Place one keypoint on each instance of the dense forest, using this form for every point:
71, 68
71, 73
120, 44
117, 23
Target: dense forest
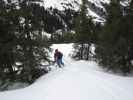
24, 45
113, 40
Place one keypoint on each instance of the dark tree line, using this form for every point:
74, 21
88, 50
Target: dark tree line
113, 40
114, 50
21, 40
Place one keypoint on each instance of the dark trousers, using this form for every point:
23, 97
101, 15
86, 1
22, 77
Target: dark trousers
60, 62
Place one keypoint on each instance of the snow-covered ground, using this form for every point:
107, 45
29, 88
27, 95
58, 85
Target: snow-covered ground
78, 80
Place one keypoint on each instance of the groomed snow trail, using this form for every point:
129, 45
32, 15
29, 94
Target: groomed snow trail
78, 80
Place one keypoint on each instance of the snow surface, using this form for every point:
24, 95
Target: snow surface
78, 80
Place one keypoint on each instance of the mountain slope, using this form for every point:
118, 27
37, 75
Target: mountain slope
61, 4
95, 7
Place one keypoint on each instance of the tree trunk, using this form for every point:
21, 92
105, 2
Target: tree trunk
81, 51
88, 51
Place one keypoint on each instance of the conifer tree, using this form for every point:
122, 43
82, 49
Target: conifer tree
21, 26
7, 40
113, 50
84, 28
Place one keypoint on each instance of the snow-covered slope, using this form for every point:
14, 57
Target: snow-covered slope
95, 7
78, 80
60, 4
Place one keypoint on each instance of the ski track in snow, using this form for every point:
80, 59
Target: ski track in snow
78, 80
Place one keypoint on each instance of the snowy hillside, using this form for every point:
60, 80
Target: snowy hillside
60, 4
95, 7
78, 80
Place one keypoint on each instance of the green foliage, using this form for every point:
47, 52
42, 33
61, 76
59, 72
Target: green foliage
69, 37
83, 24
114, 49
85, 31
7, 40
64, 37
21, 40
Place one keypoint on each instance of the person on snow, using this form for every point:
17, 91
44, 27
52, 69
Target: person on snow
58, 58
